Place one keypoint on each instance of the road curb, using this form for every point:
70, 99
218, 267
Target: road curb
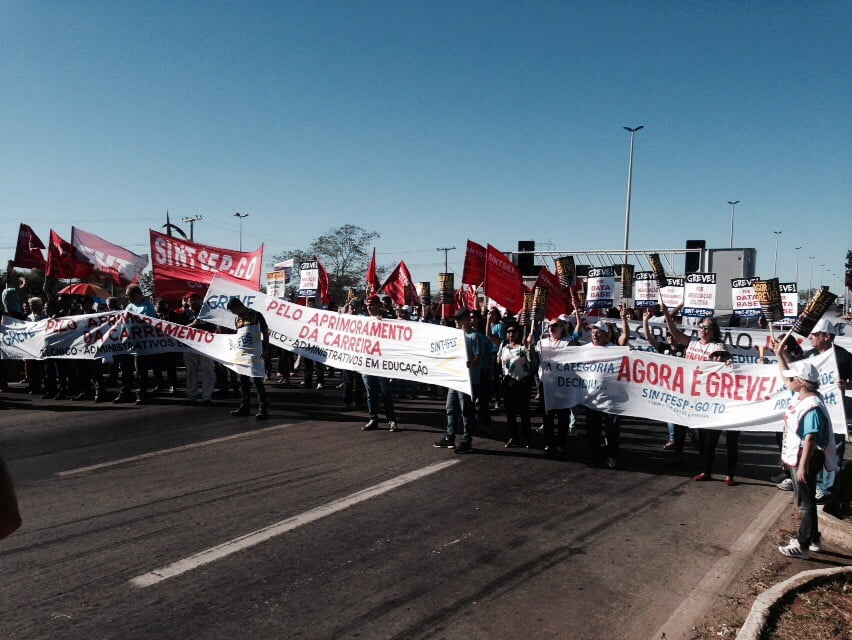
834, 530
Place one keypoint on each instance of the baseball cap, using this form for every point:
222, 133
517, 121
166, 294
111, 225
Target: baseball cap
804, 370
824, 326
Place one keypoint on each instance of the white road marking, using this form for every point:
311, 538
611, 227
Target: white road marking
262, 535
163, 452
722, 573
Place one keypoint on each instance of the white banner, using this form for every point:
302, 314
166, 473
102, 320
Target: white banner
744, 298
699, 295
710, 395
308, 279
789, 300
672, 293
418, 351
601, 288
104, 335
645, 289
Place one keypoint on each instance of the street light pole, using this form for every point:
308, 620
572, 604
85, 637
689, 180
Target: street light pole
733, 207
797, 267
241, 216
629, 188
811, 280
777, 238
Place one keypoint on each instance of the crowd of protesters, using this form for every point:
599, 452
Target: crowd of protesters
502, 356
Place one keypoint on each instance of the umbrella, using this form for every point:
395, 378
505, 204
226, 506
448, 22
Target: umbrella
86, 289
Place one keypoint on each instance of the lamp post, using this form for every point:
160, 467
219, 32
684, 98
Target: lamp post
241, 216
192, 220
777, 238
811, 280
733, 207
797, 267
821, 274
629, 188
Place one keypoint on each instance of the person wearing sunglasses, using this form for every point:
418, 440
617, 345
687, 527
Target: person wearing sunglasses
514, 360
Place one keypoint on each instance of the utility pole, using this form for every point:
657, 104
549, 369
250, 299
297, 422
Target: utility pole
446, 251
192, 220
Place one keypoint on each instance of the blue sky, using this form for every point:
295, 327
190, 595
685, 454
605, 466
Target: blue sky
432, 122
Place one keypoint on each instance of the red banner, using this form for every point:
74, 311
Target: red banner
558, 299
63, 260
399, 285
372, 277
28, 253
474, 264
503, 281
180, 265
322, 289
121, 266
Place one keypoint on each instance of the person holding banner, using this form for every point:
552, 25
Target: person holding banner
709, 440
197, 365
807, 435
517, 381
822, 340
598, 423
137, 304
459, 403
378, 386
253, 341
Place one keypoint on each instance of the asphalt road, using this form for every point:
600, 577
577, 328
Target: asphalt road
371, 536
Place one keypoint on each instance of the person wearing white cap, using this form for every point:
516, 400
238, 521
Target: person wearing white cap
822, 340
807, 436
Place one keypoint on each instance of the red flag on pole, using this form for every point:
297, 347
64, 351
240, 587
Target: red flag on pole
28, 253
503, 281
322, 289
399, 285
123, 267
372, 277
63, 260
558, 299
474, 264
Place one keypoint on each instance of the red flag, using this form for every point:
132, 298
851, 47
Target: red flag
558, 299
121, 266
474, 264
63, 260
180, 266
322, 290
372, 277
503, 280
28, 253
399, 285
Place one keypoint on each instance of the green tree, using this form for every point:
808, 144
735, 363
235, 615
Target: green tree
345, 253
849, 260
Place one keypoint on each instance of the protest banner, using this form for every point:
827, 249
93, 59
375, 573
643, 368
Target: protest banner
474, 264
600, 288
287, 267
646, 292
789, 301
704, 395
276, 284
558, 298
745, 303
672, 293
699, 295
123, 267
180, 266
104, 335
503, 281
308, 279
418, 351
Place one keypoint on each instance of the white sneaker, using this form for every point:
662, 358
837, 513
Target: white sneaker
820, 495
793, 550
814, 547
785, 485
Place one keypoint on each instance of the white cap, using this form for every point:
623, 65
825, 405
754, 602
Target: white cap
804, 370
824, 326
